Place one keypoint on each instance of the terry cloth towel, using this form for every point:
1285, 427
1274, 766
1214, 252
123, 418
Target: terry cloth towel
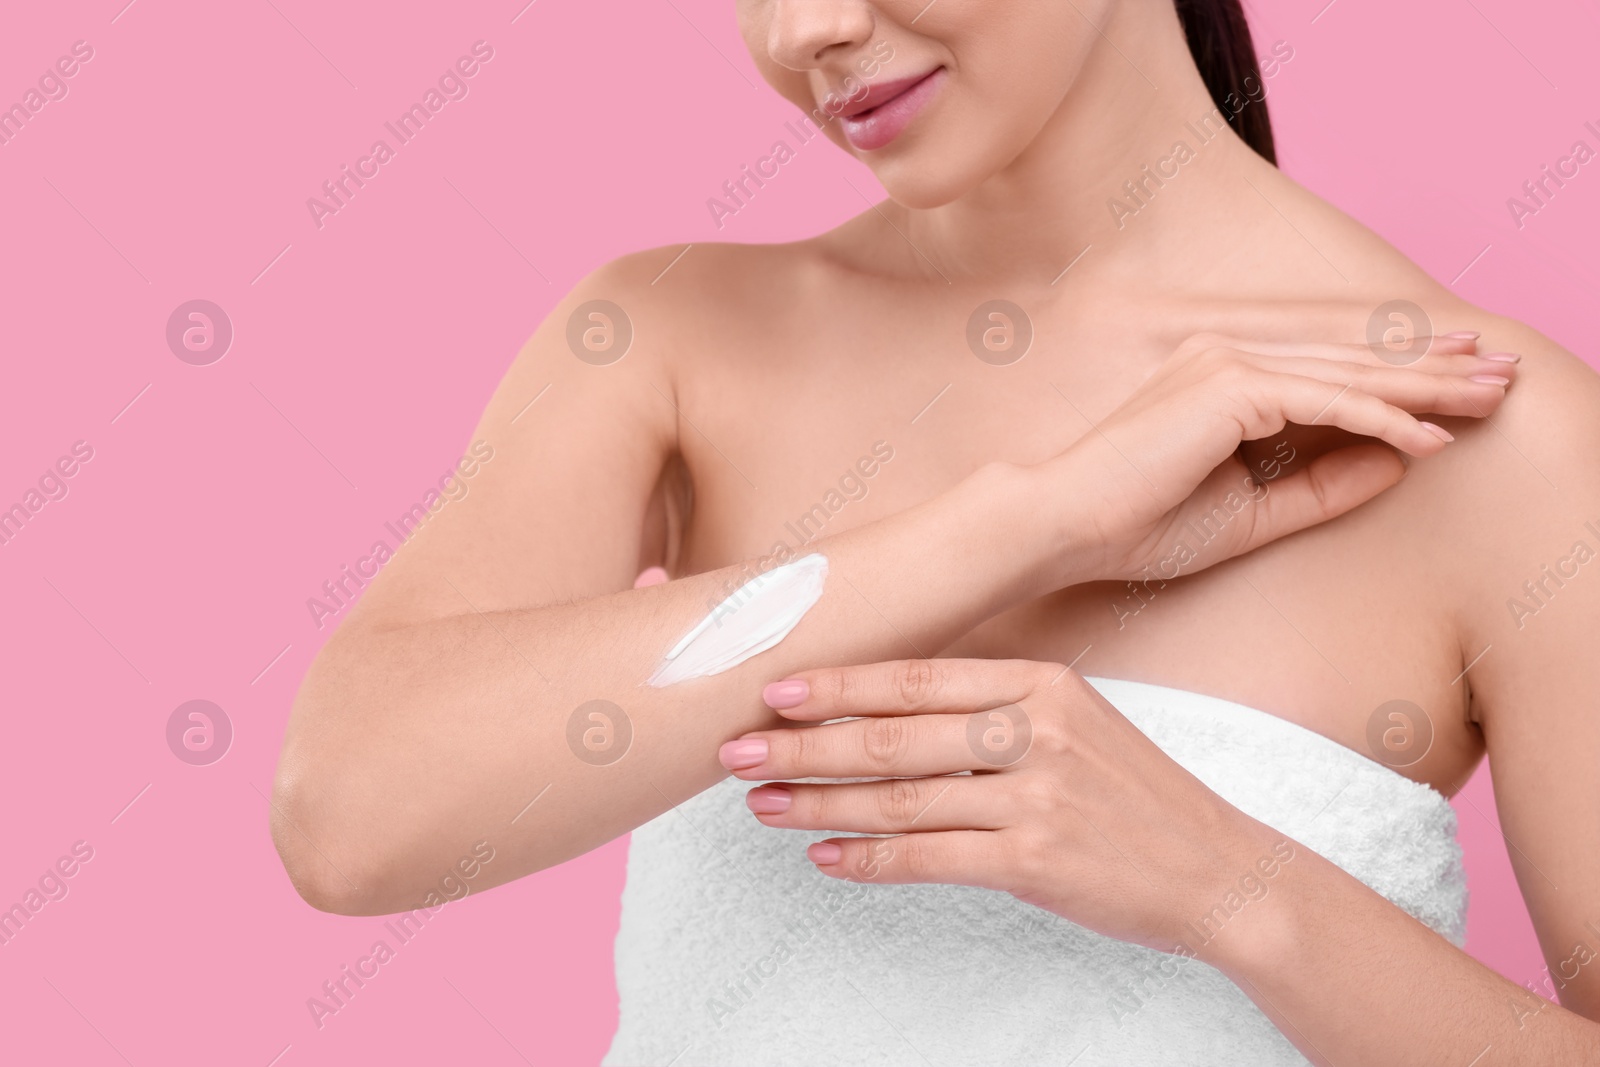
734, 951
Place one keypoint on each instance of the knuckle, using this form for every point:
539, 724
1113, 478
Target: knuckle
900, 801
873, 856
1205, 340
816, 806
912, 854
1046, 674
1317, 483
1030, 862
1051, 735
1226, 368
1037, 795
833, 687
884, 742
793, 748
915, 682
1076, 684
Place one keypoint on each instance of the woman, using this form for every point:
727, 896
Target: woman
1222, 598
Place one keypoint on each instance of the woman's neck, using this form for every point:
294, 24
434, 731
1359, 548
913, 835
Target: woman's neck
1137, 172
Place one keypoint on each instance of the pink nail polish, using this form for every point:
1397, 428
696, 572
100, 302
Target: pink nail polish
786, 694
1503, 357
650, 576
739, 755
768, 800
1438, 431
824, 853
1464, 335
1490, 379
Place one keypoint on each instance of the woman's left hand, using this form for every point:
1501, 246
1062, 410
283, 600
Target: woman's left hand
1071, 807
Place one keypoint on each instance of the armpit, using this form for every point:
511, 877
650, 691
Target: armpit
667, 516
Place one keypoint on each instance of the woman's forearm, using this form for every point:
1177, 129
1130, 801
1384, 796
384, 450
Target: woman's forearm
412, 742
1352, 979
408, 745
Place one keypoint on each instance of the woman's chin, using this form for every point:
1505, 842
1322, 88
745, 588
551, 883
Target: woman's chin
923, 187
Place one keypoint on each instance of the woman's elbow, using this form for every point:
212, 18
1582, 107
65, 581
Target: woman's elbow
329, 864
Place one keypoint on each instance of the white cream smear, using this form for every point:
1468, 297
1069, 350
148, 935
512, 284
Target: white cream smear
756, 616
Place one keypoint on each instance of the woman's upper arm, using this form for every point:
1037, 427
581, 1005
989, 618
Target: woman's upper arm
574, 446
1536, 689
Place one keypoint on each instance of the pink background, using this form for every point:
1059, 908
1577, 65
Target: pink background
178, 565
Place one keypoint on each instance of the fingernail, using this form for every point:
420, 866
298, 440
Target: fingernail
1490, 379
738, 755
1464, 335
1503, 357
650, 576
787, 694
1438, 431
768, 800
824, 852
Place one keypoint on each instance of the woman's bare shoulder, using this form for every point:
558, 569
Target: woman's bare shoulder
1520, 488
1556, 398
695, 301
1550, 422
706, 276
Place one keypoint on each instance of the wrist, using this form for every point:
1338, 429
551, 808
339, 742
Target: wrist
1071, 548
1026, 528
1254, 919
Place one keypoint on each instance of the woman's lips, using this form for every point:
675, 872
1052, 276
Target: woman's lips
885, 112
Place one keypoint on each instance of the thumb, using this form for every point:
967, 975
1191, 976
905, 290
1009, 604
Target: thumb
1327, 487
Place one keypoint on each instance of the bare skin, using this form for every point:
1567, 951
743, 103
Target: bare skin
759, 375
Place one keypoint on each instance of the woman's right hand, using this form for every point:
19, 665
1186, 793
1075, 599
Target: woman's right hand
1160, 484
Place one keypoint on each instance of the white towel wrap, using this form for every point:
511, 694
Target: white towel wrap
734, 951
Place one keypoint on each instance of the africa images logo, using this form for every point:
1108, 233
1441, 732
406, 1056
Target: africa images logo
342, 590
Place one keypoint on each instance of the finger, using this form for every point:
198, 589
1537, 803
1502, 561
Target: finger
899, 805
1277, 398
893, 746
1461, 365
1327, 487
1292, 323
1412, 349
906, 687
1478, 386
953, 857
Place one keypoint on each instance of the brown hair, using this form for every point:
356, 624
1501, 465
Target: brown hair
1219, 40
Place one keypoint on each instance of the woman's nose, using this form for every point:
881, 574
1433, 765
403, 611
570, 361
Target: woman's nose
803, 32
